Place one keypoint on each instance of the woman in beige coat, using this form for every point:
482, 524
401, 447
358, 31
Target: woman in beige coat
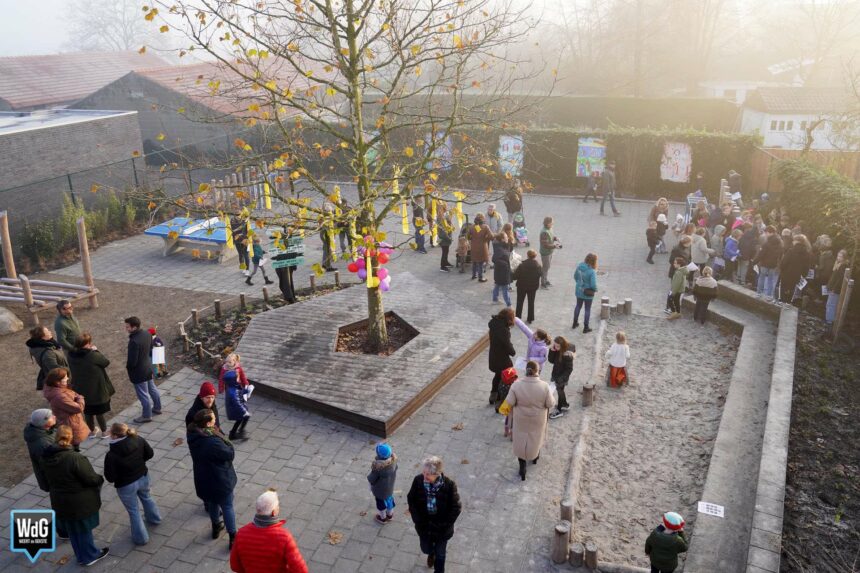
66, 404
531, 401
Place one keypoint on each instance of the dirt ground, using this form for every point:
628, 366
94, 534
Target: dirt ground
163, 307
650, 443
821, 529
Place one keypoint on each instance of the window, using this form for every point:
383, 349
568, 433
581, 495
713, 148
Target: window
790, 125
781, 126
773, 125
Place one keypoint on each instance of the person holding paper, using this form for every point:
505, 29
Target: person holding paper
90, 380
159, 366
795, 265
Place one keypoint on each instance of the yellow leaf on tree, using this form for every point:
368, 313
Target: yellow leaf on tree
409, 152
260, 223
330, 91
160, 137
458, 43
180, 110
151, 206
203, 188
344, 144
151, 15
309, 73
417, 70
317, 269
278, 163
271, 85
199, 199
264, 54
434, 177
293, 47
295, 175
344, 51
164, 29
386, 26
142, 50
254, 107
173, 235
94, 187
195, 253
328, 68
252, 52
415, 50
135, 153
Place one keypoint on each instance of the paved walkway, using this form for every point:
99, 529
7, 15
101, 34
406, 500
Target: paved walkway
319, 466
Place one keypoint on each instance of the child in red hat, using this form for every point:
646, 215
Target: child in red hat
509, 376
665, 543
158, 370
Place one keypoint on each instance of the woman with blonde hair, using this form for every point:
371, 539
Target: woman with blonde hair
75, 497
125, 468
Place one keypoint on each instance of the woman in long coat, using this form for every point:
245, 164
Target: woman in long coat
502, 247
479, 235
531, 401
90, 379
794, 265
501, 347
46, 353
66, 404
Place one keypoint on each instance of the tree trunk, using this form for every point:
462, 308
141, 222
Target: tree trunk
377, 330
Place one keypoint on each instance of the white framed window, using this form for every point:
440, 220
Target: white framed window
773, 125
781, 125
790, 125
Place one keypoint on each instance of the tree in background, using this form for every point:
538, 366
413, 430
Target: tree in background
394, 93
107, 25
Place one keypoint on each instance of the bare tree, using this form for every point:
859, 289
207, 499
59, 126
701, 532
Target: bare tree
393, 93
107, 25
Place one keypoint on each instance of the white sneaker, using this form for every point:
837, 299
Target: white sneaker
95, 434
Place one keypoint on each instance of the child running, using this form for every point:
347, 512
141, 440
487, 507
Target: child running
561, 356
256, 258
232, 362
617, 355
383, 472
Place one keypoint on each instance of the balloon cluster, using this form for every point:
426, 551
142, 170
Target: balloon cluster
382, 252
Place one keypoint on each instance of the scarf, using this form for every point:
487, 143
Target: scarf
431, 489
266, 520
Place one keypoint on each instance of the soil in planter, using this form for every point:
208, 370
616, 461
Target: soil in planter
357, 341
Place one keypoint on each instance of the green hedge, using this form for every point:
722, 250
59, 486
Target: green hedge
827, 202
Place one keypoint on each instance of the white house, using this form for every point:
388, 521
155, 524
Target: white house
783, 114
733, 90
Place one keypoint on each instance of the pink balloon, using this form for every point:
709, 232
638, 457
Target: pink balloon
362, 274
384, 286
361, 263
382, 273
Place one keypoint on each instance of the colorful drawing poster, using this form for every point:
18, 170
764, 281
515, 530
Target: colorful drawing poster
590, 156
443, 155
511, 155
677, 162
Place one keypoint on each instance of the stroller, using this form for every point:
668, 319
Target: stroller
520, 231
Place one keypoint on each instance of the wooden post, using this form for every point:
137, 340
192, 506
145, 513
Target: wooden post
558, 550
195, 318
87, 268
591, 555
587, 394
604, 311
266, 295
8, 258
313, 283
619, 307
843, 310
337, 279
28, 299
218, 308
843, 296
242, 304
628, 306
577, 555
186, 344
567, 510
198, 348
604, 300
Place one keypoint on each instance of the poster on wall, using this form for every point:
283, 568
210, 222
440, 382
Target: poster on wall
590, 156
677, 162
443, 155
511, 155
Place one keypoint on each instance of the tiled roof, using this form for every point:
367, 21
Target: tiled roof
798, 100
55, 80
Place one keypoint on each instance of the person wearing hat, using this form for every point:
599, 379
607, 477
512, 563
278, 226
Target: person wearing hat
205, 400
383, 473
40, 433
158, 370
665, 543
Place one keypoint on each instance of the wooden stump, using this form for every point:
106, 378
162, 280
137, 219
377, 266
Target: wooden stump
266, 295
218, 308
577, 555
604, 300
195, 318
628, 306
604, 311
591, 555
587, 394
198, 348
186, 344
558, 551
313, 283
337, 279
619, 307
567, 510
242, 304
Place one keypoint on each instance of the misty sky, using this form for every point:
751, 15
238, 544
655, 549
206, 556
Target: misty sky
32, 27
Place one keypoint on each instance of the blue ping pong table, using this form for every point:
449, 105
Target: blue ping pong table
204, 235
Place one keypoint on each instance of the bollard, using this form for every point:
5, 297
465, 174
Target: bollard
186, 344
567, 510
619, 308
577, 555
195, 319
587, 394
558, 551
198, 348
604, 300
266, 295
591, 555
604, 311
628, 306
337, 279
242, 304
313, 283
217, 308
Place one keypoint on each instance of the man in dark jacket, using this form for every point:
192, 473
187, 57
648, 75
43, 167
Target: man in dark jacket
608, 187
768, 262
748, 247
205, 400
214, 477
501, 348
39, 434
528, 276
794, 266
139, 367
434, 506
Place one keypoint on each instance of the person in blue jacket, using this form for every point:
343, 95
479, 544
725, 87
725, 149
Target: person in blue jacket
585, 277
235, 398
214, 477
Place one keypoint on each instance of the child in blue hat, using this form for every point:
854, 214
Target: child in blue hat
383, 472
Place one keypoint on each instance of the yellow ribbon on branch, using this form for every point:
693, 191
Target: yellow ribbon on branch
458, 209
